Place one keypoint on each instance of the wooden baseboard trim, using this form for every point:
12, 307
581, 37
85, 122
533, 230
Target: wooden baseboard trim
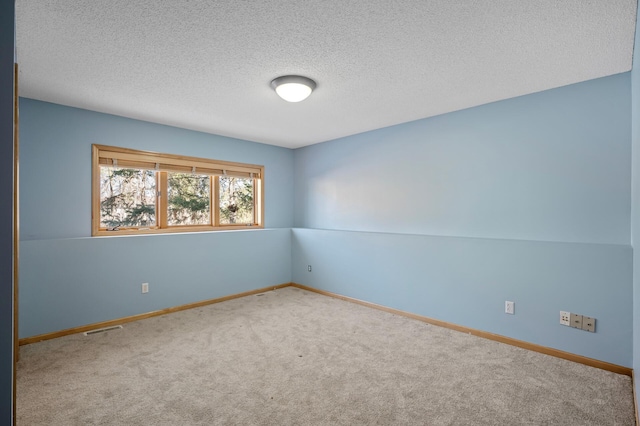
491, 336
119, 321
479, 333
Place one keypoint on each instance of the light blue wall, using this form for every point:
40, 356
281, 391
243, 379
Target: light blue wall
71, 282
635, 211
55, 151
526, 200
7, 52
540, 183
552, 166
69, 279
467, 280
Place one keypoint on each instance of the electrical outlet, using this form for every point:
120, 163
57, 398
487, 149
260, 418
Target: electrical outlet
565, 318
145, 287
509, 307
309, 268
576, 321
589, 324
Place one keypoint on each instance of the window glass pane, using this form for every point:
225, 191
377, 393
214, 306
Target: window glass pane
188, 199
127, 197
236, 200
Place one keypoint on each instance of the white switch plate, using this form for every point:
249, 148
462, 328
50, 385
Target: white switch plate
145, 287
509, 307
565, 318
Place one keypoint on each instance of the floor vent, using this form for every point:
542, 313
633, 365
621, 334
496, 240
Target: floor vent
261, 294
102, 330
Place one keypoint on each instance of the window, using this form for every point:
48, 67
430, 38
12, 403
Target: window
139, 192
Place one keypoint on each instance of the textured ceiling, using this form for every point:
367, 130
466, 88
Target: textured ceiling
207, 65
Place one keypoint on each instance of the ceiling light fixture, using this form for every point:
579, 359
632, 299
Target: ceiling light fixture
293, 88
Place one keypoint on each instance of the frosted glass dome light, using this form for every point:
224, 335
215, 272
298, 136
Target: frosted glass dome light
293, 88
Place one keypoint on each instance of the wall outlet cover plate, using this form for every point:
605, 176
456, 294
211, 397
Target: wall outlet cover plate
509, 307
576, 321
565, 318
589, 324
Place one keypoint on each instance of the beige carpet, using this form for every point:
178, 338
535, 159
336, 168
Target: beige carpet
291, 357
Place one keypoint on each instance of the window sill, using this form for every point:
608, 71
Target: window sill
174, 230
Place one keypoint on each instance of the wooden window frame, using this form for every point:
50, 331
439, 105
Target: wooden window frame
103, 155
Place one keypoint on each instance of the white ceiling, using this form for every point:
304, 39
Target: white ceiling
206, 65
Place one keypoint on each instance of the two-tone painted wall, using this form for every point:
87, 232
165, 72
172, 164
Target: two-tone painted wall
526, 200
70, 279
